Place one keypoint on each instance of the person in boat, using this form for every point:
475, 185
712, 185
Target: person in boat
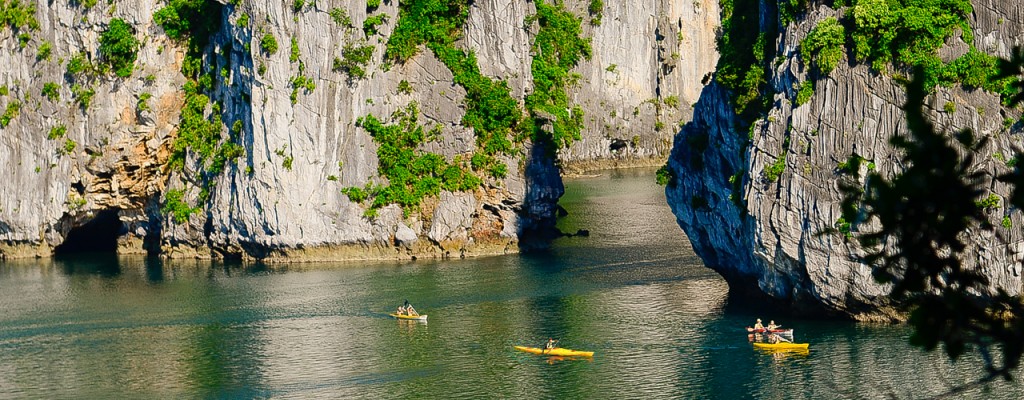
409, 310
758, 325
550, 344
771, 325
773, 338
401, 310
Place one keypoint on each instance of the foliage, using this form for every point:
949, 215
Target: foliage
268, 44
823, 46
297, 5
741, 67
665, 176
372, 22
12, 111
1007, 223
143, 104
773, 171
83, 95
340, 17
556, 49
852, 165
932, 207
595, 10
78, 64
44, 51
176, 206
372, 4
200, 134
68, 147
789, 8
844, 227
243, 20
57, 132
294, 56
803, 95
411, 174
490, 109
990, 202
354, 60
193, 19
18, 15
119, 47
672, 101
301, 82
51, 91
404, 87
908, 33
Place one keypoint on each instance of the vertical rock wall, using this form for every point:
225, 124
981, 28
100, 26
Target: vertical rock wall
773, 244
282, 198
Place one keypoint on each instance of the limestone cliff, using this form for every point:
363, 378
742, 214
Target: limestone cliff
94, 154
756, 202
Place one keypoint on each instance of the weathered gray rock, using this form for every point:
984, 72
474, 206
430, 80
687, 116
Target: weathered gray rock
282, 198
774, 243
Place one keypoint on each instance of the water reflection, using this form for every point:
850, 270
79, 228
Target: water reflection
660, 324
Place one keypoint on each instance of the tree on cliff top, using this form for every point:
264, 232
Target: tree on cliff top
925, 214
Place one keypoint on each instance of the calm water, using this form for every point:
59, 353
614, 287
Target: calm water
660, 323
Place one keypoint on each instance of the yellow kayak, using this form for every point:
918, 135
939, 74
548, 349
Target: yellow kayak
781, 345
557, 351
421, 317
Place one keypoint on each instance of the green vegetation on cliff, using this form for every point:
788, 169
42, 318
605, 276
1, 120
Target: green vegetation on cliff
823, 46
557, 48
490, 109
411, 174
119, 47
200, 125
18, 15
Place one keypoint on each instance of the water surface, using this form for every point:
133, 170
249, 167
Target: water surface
661, 325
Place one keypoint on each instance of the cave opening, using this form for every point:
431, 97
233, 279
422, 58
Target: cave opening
99, 235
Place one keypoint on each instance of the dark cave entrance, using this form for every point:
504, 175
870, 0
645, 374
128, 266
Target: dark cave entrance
99, 235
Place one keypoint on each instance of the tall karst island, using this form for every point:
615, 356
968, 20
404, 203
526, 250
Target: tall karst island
804, 102
328, 129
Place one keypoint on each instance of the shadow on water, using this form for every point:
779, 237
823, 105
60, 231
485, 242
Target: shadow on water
107, 265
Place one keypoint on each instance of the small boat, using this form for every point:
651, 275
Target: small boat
421, 317
557, 351
775, 331
782, 346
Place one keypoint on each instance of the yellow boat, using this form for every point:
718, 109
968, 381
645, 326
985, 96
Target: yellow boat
782, 346
557, 351
421, 317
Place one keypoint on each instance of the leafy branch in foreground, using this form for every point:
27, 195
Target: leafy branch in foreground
926, 214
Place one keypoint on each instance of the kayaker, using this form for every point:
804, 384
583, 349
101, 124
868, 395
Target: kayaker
773, 338
550, 344
401, 310
411, 311
758, 325
771, 325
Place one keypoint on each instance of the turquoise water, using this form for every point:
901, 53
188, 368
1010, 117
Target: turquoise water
661, 325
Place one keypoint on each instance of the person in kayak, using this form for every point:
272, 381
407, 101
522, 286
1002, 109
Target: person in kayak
758, 325
550, 344
409, 310
771, 325
401, 310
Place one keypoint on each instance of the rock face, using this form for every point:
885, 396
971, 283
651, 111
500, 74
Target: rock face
282, 198
772, 242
